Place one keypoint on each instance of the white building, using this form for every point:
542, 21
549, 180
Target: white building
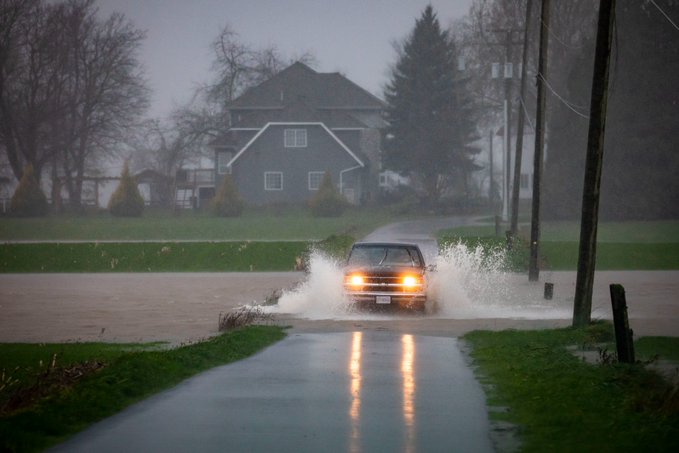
481, 178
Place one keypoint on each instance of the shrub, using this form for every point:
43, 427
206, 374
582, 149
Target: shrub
126, 201
327, 202
227, 201
28, 199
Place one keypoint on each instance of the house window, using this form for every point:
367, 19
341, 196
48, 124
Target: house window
294, 138
223, 159
525, 180
273, 180
315, 178
384, 180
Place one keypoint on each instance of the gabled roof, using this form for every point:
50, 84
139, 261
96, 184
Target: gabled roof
319, 90
296, 110
321, 125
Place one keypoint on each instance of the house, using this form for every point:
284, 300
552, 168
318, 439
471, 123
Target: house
499, 165
288, 131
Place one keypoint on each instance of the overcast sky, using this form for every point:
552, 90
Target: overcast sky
350, 36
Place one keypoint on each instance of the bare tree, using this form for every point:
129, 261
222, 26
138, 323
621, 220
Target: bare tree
31, 83
107, 91
70, 86
238, 66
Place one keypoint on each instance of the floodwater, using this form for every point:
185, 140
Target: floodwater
467, 284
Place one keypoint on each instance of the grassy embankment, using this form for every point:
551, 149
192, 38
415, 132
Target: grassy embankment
258, 241
620, 245
295, 224
558, 402
42, 401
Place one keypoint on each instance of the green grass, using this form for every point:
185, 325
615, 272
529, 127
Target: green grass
151, 257
290, 224
561, 403
665, 348
620, 246
634, 232
163, 256
614, 256
130, 375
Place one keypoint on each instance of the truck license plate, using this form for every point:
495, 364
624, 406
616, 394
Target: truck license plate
383, 299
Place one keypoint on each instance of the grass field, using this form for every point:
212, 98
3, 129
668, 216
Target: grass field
561, 403
294, 224
620, 245
164, 256
151, 257
129, 374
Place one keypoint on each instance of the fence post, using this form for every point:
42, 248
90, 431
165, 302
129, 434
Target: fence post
549, 290
624, 337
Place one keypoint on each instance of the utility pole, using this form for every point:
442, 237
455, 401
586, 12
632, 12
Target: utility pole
582, 304
507, 73
533, 265
491, 188
514, 228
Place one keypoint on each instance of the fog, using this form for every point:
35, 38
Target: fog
353, 36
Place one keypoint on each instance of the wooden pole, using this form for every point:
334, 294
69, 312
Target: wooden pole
624, 337
533, 267
491, 188
514, 228
582, 304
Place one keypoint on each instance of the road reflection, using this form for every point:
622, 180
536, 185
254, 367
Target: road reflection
408, 390
408, 375
355, 373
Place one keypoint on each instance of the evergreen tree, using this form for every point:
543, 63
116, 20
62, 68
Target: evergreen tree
327, 202
227, 202
28, 199
126, 201
430, 121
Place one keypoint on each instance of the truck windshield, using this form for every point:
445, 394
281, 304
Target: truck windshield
384, 256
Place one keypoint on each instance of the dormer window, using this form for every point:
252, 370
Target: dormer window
294, 138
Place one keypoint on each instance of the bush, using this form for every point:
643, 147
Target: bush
227, 202
328, 202
28, 199
126, 201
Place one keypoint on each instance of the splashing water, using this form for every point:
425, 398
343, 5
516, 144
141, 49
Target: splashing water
466, 280
321, 295
468, 283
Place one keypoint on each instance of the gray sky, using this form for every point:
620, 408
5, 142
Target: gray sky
350, 36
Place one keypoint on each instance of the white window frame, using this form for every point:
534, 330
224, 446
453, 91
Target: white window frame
267, 184
295, 138
314, 174
223, 158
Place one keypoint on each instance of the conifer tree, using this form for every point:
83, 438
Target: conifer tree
126, 201
327, 202
430, 121
28, 199
227, 201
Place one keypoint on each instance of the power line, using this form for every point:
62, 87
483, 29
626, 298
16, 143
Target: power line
526, 114
664, 14
572, 107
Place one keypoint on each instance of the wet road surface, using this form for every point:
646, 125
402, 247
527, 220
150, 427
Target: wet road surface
350, 391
